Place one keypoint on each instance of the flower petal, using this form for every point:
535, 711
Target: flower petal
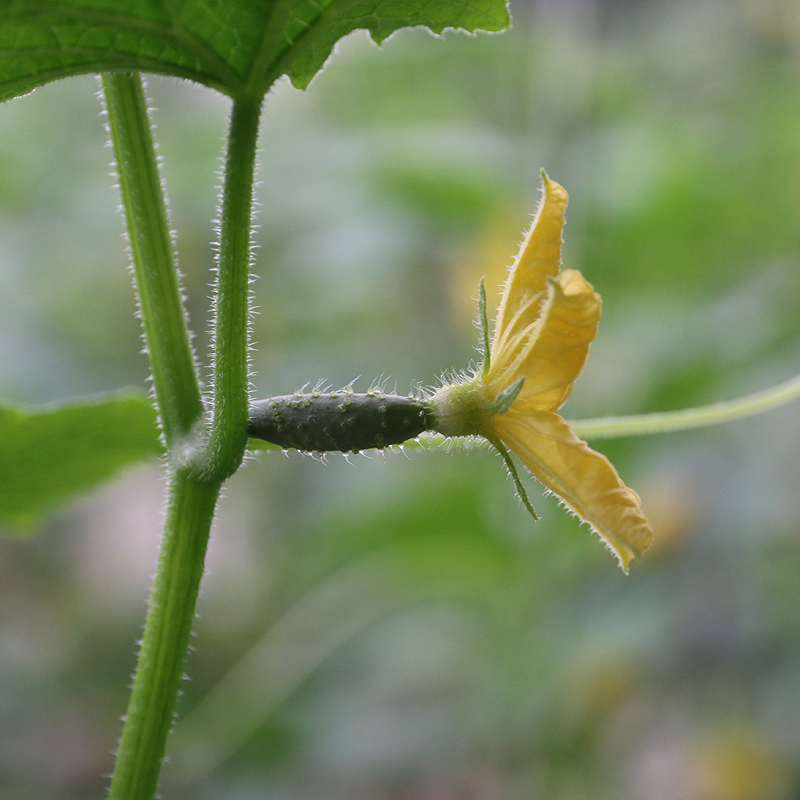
554, 359
539, 259
585, 480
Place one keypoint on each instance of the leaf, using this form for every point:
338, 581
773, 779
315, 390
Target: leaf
49, 455
239, 47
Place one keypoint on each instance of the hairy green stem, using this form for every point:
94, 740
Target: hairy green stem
196, 471
166, 332
177, 392
232, 296
166, 638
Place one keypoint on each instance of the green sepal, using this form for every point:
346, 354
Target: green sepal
483, 321
512, 471
504, 399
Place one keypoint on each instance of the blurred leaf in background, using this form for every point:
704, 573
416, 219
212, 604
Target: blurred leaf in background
50, 454
430, 641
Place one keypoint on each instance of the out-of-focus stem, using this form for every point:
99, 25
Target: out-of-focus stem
702, 416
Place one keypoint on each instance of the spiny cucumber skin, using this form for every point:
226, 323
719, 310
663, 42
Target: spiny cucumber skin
342, 421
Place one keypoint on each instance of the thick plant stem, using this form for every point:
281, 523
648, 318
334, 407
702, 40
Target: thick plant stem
197, 466
228, 438
166, 638
166, 333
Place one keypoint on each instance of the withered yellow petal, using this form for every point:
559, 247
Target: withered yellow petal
554, 355
539, 258
585, 480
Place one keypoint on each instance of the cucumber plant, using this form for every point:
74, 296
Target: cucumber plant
239, 48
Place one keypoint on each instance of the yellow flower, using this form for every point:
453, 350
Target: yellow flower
545, 324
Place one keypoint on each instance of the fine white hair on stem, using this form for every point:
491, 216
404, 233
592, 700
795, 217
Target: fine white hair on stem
115, 172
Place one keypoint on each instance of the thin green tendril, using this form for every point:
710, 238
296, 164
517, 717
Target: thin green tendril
702, 416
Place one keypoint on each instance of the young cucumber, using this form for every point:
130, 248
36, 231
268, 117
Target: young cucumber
343, 420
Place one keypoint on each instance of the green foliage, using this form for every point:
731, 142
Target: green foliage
239, 47
51, 454
485, 650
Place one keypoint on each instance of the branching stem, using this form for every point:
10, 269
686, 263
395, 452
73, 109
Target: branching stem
198, 463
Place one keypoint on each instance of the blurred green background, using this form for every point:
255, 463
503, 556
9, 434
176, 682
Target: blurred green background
396, 628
